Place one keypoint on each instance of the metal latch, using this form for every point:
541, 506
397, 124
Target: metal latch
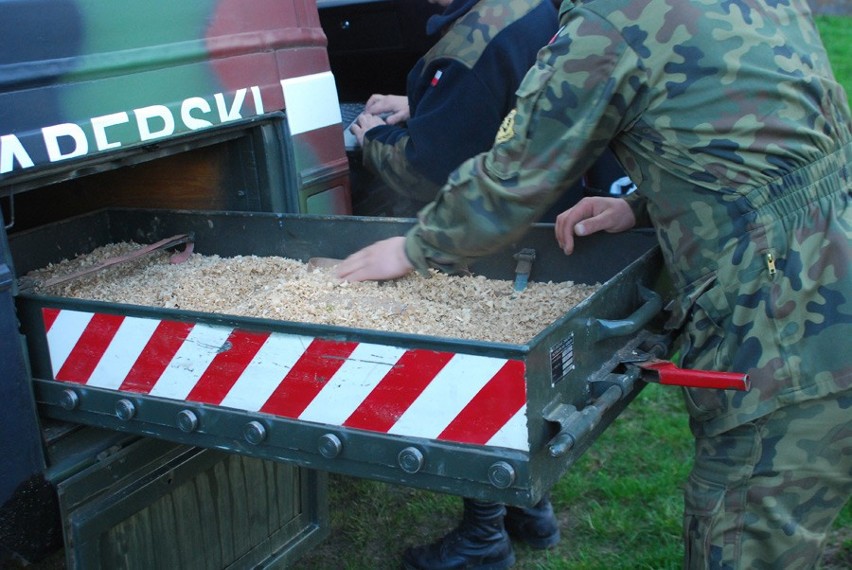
668, 373
575, 424
525, 259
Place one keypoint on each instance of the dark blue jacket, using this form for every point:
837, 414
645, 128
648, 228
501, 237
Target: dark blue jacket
460, 91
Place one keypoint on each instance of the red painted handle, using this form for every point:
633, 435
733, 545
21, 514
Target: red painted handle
669, 374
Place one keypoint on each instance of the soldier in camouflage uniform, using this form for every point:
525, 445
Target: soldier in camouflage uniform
728, 118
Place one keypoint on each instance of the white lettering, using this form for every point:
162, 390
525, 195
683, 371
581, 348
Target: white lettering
11, 149
69, 140
100, 124
194, 123
233, 113
145, 114
51, 141
258, 101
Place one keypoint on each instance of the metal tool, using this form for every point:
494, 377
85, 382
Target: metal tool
525, 259
177, 257
322, 262
634, 365
668, 373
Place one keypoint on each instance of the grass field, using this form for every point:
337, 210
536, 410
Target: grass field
620, 507
835, 34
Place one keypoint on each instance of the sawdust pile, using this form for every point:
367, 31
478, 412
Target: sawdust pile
464, 307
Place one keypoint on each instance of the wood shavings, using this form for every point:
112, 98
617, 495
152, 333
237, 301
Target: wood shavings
463, 307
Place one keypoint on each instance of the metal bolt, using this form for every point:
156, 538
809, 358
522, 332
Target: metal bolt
254, 432
69, 399
187, 421
501, 475
330, 446
125, 409
411, 459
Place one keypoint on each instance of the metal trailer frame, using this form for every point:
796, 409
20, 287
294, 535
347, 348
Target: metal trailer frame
573, 373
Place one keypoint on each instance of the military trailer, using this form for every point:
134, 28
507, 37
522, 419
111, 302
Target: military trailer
216, 126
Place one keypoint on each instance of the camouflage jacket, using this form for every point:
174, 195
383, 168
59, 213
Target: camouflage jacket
728, 118
459, 91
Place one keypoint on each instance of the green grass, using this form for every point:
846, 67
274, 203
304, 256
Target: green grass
835, 35
619, 507
626, 491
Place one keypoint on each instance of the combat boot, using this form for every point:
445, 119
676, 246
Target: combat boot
479, 542
536, 526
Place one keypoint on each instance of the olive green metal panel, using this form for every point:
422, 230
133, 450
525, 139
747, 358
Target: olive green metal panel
161, 505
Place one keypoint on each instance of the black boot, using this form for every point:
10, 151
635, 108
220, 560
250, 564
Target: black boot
535, 526
479, 542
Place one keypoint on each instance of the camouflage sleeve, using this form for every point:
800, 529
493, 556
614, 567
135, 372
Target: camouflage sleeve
584, 88
389, 162
639, 205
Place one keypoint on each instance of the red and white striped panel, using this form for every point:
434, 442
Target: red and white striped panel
410, 392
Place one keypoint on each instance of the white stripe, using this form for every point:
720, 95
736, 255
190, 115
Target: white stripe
190, 361
63, 336
311, 102
451, 390
514, 433
264, 373
121, 354
352, 383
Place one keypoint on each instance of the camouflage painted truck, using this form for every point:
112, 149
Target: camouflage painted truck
140, 437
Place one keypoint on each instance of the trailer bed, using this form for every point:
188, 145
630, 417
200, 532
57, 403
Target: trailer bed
489, 420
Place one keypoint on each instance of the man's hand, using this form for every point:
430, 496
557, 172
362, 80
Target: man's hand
382, 260
590, 215
363, 123
394, 108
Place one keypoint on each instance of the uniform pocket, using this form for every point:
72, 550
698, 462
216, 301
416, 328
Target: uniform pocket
511, 142
702, 502
706, 344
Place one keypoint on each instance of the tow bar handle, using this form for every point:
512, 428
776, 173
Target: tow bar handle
575, 424
602, 329
666, 372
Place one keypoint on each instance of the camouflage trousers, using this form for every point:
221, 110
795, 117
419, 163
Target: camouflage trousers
764, 495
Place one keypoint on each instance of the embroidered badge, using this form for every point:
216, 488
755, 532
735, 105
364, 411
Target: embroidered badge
507, 128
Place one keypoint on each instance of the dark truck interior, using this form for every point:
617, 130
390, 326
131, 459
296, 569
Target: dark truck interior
372, 45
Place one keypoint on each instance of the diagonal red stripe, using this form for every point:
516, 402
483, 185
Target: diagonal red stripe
398, 389
491, 408
314, 368
90, 348
158, 352
49, 315
227, 366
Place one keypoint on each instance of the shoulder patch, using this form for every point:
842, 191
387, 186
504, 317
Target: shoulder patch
507, 128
